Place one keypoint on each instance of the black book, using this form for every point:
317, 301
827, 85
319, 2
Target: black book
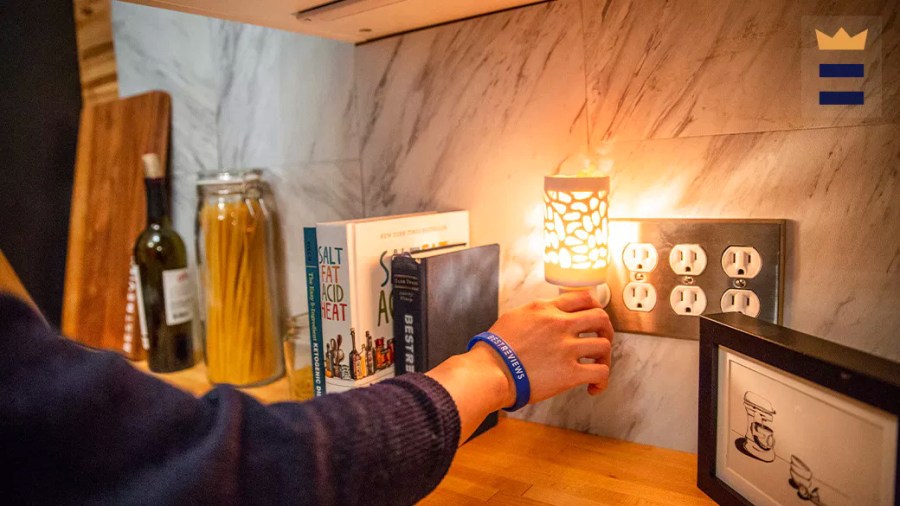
442, 299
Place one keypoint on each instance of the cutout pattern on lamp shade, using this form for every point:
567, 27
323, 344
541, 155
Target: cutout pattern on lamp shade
576, 230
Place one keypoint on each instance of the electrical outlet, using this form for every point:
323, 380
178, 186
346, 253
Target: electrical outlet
740, 301
687, 259
639, 296
741, 262
688, 300
637, 247
640, 257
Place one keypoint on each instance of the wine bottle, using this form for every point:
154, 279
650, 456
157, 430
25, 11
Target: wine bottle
380, 354
370, 354
168, 294
355, 362
363, 365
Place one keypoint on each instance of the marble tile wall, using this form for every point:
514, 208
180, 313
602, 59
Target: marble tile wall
170, 51
250, 97
840, 188
701, 67
472, 115
284, 98
696, 109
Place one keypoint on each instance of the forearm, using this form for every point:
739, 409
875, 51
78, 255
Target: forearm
98, 431
390, 443
479, 383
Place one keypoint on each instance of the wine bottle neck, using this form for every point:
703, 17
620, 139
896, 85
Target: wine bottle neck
157, 202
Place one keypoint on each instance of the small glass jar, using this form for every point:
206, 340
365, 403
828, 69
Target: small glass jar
239, 296
298, 358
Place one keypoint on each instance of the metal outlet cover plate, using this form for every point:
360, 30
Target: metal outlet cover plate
714, 236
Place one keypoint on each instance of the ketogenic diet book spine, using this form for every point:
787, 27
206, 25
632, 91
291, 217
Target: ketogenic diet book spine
311, 256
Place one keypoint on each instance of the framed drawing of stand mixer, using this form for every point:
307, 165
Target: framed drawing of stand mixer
786, 418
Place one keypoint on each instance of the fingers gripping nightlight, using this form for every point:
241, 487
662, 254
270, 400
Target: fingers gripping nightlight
576, 232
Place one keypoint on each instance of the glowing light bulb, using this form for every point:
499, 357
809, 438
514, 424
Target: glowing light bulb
576, 230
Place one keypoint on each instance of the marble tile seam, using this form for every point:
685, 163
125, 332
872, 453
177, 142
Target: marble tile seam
750, 132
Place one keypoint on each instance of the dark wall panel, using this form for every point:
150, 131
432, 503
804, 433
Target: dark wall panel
40, 100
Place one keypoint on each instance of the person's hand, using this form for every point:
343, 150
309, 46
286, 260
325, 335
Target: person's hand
544, 335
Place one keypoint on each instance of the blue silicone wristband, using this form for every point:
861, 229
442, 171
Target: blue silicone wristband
516, 369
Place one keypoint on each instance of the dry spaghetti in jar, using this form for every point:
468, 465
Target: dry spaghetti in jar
239, 297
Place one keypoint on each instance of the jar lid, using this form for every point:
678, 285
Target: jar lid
298, 321
297, 324
228, 177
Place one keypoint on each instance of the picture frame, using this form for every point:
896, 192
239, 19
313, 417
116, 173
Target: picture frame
789, 418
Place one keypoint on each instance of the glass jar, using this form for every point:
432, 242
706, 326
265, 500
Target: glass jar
298, 357
239, 296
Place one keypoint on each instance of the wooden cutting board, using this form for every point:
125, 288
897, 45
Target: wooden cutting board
10, 282
108, 213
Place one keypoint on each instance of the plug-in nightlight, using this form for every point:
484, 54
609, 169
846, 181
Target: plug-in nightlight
576, 232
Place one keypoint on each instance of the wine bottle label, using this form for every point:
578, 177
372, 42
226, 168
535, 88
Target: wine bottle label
142, 316
178, 296
134, 310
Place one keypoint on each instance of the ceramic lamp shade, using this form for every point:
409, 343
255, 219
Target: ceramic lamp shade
576, 230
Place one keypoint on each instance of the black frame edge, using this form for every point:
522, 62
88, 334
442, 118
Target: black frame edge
866, 378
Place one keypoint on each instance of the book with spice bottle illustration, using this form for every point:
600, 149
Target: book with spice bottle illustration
355, 340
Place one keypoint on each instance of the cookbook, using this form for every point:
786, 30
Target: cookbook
356, 336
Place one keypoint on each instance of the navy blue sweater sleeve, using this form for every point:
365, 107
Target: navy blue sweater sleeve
79, 426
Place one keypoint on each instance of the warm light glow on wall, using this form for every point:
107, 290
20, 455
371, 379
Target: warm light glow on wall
576, 230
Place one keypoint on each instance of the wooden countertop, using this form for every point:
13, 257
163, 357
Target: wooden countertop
194, 380
526, 463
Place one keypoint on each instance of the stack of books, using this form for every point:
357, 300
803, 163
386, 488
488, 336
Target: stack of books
351, 307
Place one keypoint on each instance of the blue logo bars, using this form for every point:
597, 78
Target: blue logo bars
841, 41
